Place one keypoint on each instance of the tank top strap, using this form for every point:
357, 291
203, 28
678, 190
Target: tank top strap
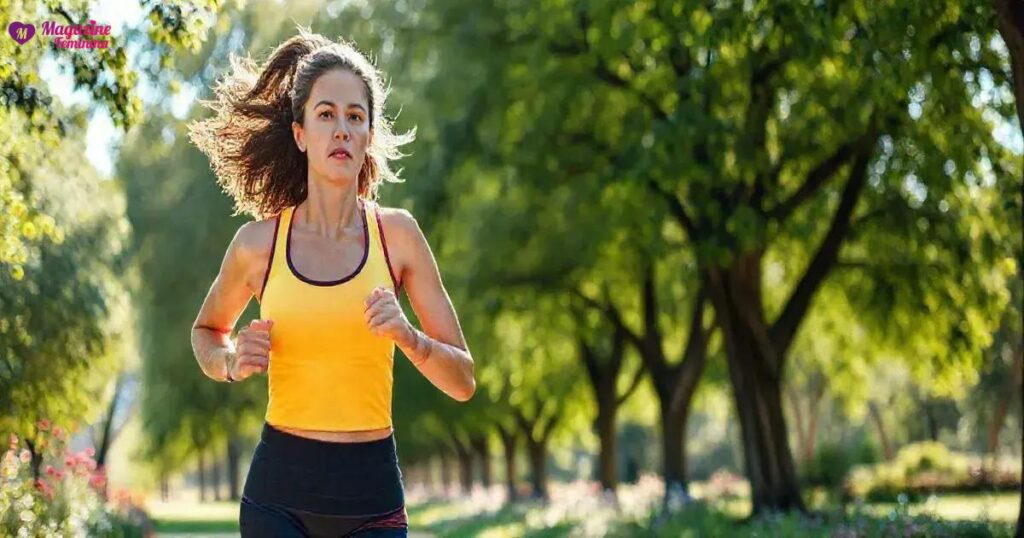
284, 223
276, 262
371, 226
380, 245
280, 261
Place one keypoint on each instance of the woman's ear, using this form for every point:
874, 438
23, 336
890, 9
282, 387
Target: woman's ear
300, 136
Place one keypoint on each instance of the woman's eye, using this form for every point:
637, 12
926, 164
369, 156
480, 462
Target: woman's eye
355, 117
325, 112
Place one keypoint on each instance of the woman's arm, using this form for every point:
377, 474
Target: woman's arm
439, 351
224, 303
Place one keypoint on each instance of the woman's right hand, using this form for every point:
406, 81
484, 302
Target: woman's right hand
252, 350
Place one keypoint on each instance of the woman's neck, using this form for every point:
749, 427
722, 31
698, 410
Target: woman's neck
331, 211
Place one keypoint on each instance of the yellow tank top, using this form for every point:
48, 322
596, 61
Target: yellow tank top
327, 370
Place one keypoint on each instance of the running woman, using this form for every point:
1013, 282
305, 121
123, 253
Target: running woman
301, 144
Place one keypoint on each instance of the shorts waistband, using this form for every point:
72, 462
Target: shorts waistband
289, 445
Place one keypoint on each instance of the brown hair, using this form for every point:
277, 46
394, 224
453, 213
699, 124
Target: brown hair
249, 139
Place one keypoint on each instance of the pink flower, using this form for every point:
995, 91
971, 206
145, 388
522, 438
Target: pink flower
45, 488
97, 480
50, 470
43, 424
58, 432
25, 455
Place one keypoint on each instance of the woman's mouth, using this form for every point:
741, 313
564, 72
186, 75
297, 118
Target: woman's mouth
341, 154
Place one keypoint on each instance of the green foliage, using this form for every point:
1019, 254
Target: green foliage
65, 326
833, 461
36, 123
177, 213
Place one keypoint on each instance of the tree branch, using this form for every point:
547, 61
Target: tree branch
611, 313
818, 176
675, 206
633, 385
694, 355
649, 303
784, 328
600, 69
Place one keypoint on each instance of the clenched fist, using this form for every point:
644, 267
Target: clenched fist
252, 350
384, 316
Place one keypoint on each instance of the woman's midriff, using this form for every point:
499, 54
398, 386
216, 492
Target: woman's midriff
340, 437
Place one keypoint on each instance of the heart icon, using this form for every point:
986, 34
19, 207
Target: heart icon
21, 32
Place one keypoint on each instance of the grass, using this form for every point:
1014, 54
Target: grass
194, 517
1000, 507
576, 512
952, 515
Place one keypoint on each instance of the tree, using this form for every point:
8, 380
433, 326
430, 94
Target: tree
753, 126
1010, 21
103, 72
65, 326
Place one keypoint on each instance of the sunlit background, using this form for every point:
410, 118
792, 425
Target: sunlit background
713, 260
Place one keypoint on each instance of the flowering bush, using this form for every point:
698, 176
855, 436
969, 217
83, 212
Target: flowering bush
726, 485
923, 468
67, 499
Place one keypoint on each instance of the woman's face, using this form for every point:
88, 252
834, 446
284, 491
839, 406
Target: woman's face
336, 126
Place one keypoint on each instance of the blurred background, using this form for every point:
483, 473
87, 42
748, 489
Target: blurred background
725, 267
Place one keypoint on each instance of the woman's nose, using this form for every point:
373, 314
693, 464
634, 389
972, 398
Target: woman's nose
341, 132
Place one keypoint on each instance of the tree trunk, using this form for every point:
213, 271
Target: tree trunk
446, 471
930, 420
603, 369
215, 475
107, 433
465, 456
482, 449
807, 423
1010, 21
673, 428
812, 426
538, 451
202, 477
769, 461
232, 464
755, 373
674, 384
36, 460
996, 426
876, 418
608, 466
508, 442
165, 489
430, 467
537, 431
801, 428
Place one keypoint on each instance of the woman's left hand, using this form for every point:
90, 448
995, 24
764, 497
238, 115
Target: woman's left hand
385, 317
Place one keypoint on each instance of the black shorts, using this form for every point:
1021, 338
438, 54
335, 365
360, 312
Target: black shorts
306, 487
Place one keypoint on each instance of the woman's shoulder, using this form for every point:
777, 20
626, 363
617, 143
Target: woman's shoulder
396, 220
255, 239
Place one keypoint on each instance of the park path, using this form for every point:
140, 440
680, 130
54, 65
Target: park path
413, 534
